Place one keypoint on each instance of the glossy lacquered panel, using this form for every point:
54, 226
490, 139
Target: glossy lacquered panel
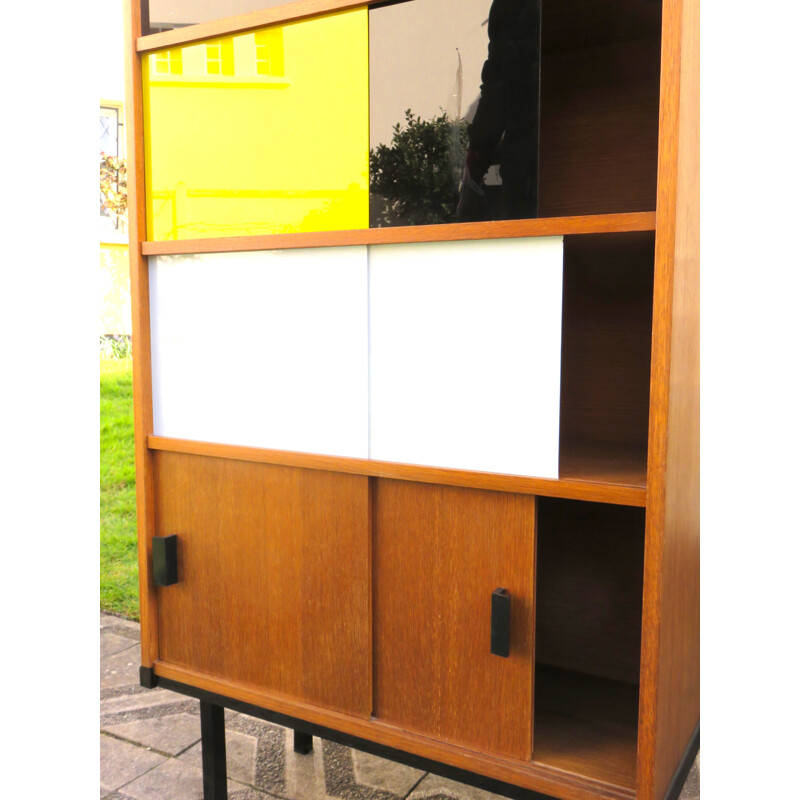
454, 105
465, 354
260, 132
264, 349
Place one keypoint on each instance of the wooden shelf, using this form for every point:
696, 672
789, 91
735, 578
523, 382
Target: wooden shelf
586, 726
508, 229
579, 489
604, 463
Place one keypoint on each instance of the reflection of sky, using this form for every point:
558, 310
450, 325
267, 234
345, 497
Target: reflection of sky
414, 51
164, 13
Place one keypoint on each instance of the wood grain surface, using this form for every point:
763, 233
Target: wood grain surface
273, 577
438, 554
603, 462
572, 24
670, 680
140, 308
464, 231
599, 129
589, 588
586, 725
605, 478
607, 309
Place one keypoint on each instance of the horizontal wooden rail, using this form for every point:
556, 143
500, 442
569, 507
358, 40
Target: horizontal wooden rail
290, 12
463, 231
595, 491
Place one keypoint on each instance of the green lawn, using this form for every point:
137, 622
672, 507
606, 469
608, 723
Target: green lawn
119, 587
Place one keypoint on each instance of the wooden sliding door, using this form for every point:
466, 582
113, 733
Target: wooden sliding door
438, 554
274, 577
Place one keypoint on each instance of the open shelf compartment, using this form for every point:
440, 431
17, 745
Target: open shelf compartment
590, 562
605, 357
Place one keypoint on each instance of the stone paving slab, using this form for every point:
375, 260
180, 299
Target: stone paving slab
121, 668
143, 705
123, 626
112, 643
171, 780
434, 787
120, 763
181, 732
241, 753
691, 789
150, 748
386, 775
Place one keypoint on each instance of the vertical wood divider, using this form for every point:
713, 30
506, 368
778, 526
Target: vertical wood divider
670, 633
140, 305
371, 592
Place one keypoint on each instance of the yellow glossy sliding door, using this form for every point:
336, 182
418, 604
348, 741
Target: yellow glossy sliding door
261, 132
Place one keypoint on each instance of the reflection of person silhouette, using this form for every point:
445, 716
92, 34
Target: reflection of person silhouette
505, 127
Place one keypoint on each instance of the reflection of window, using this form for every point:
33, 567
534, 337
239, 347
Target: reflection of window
110, 124
269, 52
168, 62
219, 57
109, 131
213, 59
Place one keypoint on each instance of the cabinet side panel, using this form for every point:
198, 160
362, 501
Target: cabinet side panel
273, 577
670, 707
140, 329
678, 709
439, 553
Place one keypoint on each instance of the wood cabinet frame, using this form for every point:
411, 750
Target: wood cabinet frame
668, 727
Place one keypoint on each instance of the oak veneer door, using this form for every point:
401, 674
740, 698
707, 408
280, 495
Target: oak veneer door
438, 554
273, 577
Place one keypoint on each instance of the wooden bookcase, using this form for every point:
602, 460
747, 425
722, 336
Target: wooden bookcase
349, 597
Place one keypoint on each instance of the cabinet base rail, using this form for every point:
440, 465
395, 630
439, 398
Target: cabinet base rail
213, 705
684, 766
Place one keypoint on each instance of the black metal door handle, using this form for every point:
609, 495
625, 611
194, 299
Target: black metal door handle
165, 560
501, 622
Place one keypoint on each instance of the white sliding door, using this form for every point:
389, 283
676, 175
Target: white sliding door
445, 354
465, 354
267, 349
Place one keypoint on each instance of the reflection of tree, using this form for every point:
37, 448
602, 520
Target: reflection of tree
416, 177
113, 187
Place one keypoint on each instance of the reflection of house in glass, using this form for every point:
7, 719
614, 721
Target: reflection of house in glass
220, 160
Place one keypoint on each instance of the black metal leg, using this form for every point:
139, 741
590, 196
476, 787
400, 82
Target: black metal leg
215, 768
303, 742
